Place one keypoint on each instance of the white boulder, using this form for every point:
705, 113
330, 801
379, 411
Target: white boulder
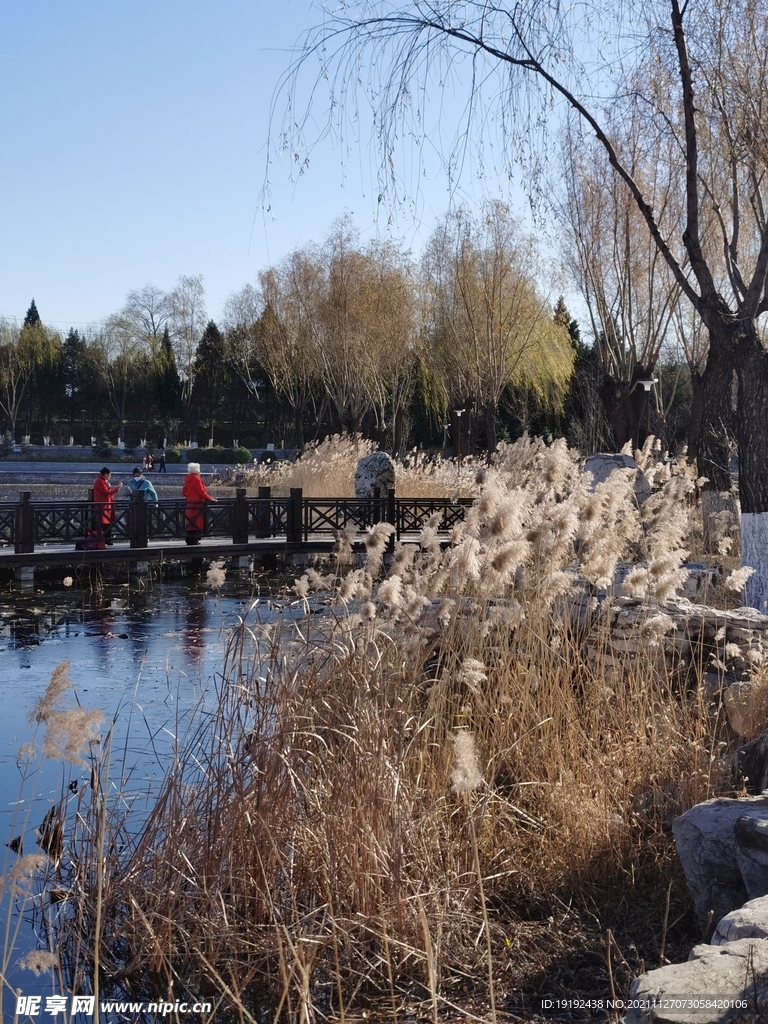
374, 470
602, 465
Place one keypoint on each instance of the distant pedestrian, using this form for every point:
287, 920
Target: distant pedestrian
104, 496
145, 462
196, 495
162, 462
150, 462
139, 485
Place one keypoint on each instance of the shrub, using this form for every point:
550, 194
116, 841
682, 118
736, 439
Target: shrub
221, 456
173, 455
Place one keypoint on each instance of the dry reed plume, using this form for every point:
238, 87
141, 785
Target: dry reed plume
324, 468
69, 732
327, 469
388, 788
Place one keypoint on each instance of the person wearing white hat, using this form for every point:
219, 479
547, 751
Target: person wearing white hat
196, 495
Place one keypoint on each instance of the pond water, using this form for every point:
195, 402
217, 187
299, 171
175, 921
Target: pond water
144, 655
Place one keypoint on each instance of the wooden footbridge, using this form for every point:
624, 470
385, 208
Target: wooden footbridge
48, 533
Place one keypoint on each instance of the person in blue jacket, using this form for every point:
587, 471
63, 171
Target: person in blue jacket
138, 484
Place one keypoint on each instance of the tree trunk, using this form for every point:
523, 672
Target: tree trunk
752, 419
713, 424
625, 409
712, 419
353, 423
191, 418
298, 425
490, 428
468, 428
397, 440
617, 404
697, 412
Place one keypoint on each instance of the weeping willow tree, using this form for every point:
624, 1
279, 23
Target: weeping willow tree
697, 71
631, 295
489, 328
334, 323
366, 329
24, 353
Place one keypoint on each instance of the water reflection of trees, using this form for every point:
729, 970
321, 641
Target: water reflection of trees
138, 615
196, 617
22, 630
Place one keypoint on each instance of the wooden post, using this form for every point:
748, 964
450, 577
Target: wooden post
295, 516
392, 517
137, 523
264, 518
376, 517
24, 577
24, 535
240, 518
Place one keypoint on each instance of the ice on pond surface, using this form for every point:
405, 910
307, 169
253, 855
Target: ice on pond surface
148, 659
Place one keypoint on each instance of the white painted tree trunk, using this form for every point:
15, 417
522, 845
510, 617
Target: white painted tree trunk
754, 552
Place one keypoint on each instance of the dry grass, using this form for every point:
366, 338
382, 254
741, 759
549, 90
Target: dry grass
320, 843
388, 792
327, 469
420, 476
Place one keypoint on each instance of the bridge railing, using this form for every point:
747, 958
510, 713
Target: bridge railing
407, 515
27, 524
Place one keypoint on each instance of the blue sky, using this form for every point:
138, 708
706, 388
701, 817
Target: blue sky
133, 151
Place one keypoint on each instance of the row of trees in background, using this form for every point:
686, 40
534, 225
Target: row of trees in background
366, 340
345, 336
664, 109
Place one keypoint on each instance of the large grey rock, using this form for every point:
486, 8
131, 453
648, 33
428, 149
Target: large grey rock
751, 836
722, 976
374, 470
602, 465
748, 922
713, 859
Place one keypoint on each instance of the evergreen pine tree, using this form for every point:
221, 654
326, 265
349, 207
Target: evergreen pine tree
562, 317
210, 368
168, 386
32, 317
73, 351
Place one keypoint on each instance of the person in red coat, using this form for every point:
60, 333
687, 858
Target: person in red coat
196, 495
104, 496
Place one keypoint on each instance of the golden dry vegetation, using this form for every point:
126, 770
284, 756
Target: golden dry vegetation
424, 795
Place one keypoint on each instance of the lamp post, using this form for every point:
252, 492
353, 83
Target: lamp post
457, 413
647, 385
